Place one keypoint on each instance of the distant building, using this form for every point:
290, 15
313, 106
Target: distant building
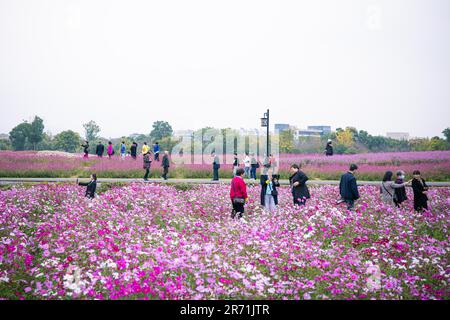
307, 133
4, 136
182, 133
398, 135
324, 129
279, 127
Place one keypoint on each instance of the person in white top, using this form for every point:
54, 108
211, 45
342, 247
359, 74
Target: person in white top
247, 165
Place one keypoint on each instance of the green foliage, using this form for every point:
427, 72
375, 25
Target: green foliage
5, 145
161, 129
47, 143
68, 141
91, 130
446, 134
287, 141
184, 186
36, 131
19, 136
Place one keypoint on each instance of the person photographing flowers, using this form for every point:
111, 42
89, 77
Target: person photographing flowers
91, 186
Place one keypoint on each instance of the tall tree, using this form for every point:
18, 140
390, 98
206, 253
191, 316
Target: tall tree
345, 137
446, 133
19, 136
36, 133
91, 131
68, 141
287, 141
161, 129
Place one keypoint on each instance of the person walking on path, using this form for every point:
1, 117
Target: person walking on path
420, 190
329, 148
348, 188
165, 164
147, 163
247, 165
270, 193
400, 193
254, 165
133, 150
110, 150
85, 149
91, 186
100, 150
216, 166
300, 191
156, 151
388, 188
145, 148
235, 163
123, 150
238, 193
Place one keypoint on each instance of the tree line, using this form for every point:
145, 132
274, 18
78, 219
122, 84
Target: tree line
352, 141
31, 136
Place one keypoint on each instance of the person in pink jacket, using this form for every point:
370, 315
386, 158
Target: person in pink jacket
110, 150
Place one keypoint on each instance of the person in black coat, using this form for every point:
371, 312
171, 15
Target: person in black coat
299, 188
100, 150
147, 164
400, 193
329, 148
133, 150
420, 189
165, 164
348, 187
91, 186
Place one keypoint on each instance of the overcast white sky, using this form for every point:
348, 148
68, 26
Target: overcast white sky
376, 65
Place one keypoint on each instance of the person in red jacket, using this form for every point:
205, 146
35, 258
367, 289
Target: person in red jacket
238, 193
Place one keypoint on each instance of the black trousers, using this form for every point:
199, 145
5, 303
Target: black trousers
147, 172
237, 208
165, 172
215, 173
157, 156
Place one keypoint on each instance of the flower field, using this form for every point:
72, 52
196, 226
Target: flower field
435, 166
149, 241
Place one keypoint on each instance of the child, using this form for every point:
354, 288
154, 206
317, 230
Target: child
91, 186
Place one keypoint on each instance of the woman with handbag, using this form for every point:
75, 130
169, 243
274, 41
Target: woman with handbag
238, 193
388, 187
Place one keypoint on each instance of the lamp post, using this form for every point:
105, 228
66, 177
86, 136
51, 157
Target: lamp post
265, 123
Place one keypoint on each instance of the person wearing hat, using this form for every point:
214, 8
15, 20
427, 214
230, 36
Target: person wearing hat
329, 148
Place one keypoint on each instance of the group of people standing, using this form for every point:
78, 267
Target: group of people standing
100, 150
269, 182
391, 192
